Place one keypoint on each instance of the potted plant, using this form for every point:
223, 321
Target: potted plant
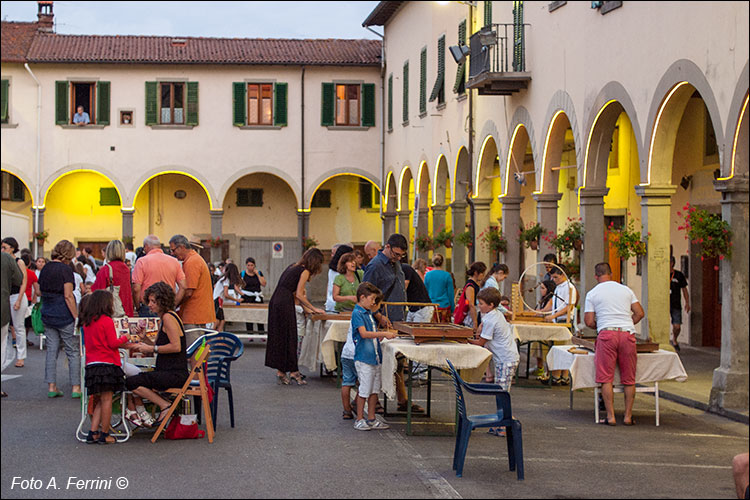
215, 242
531, 234
309, 242
444, 238
493, 238
627, 241
464, 239
41, 236
424, 242
713, 234
570, 239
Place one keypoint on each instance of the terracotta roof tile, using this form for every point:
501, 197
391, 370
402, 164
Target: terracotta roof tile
16, 40
53, 48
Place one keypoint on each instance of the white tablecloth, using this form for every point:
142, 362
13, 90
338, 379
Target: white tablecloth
311, 353
651, 367
471, 359
335, 331
247, 314
543, 332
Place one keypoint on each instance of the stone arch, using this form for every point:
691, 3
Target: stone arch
390, 193
560, 104
423, 181
16, 173
144, 179
612, 101
485, 166
261, 169
736, 128
357, 172
461, 175
73, 169
405, 184
515, 159
441, 181
672, 93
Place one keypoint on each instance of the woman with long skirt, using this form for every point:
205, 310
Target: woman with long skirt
281, 347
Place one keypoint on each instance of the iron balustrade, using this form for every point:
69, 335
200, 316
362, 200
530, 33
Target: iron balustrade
490, 48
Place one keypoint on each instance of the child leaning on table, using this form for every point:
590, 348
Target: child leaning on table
367, 355
104, 375
496, 335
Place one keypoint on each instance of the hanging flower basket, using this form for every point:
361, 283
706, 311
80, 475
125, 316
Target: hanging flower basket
444, 238
493, 239
627, 241
465, 239
215, 242
41, 236
424, 243
713, 234
531, 234
309, 242
570, 239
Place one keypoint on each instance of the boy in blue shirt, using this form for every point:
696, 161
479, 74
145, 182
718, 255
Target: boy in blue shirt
367, 355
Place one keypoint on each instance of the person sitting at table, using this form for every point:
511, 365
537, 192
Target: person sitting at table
440, 288
562, 304
170, 349
613, 310
495, 334
497, 275
346, 283
546, 291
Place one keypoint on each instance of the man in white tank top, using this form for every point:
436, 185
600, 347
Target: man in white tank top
613, 311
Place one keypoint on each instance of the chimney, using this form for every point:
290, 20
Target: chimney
46, 19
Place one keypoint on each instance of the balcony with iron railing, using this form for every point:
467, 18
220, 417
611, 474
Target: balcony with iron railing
497, 64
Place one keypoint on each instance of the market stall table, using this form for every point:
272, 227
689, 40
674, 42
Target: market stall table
471, 360
652, 367
527, 333
317, 328
247, 313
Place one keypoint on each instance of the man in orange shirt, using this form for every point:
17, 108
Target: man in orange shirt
153, 267
197, 304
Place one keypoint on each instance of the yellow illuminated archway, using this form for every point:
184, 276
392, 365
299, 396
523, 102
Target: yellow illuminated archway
510, 155
546, 146
656, 127
179, 172
309, 204
736, 137
78, 171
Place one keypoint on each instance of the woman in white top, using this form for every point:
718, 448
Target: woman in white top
228, 287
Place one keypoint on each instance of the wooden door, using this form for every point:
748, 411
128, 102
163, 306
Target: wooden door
711, 303
615, 262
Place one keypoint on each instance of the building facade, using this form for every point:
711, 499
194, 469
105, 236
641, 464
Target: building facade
603, 111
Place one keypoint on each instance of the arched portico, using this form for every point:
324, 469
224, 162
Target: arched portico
406, 193
487, 180
441, 219
390, 205
461, 186
425, 201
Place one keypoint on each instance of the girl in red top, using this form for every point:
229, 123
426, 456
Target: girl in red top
104, 375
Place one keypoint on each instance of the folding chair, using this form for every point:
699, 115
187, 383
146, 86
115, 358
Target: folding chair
198, 372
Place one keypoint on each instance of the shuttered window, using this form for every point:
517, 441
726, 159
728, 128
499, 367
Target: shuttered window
108, 197
61, 103
459, 87
280, 104
93, 97
405, 111
152, 114
390, 102
102, 103
321, 199
238, 103
259, 104
423, 82
327, 104
248, 197
438, 91
4, 101
192, 103
368, 104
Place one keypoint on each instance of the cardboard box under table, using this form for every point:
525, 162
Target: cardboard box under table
247, 313
652, 367
471, 360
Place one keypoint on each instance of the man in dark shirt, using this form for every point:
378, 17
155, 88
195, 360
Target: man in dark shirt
677, 283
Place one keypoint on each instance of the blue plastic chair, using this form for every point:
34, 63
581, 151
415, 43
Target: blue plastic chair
225, 348
502, 418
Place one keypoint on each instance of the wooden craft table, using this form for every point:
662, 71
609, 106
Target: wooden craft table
526, 333
313, 353
247, 313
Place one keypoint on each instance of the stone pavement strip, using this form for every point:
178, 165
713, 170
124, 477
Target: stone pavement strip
291, 442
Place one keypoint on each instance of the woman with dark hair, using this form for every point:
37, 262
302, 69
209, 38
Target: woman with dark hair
547, 291
170, 348
227, 288
79, 275
116, 272
346, 283
59, 313
475, 273
281, 347
18, 303
439, 284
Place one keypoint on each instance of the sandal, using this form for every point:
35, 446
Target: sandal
415, 408
379, 410
632, 421
282, 379
146, 418
300, 379
347, 415
93, 437
162, 415
604, 421
105, 438
133, 417
19, 364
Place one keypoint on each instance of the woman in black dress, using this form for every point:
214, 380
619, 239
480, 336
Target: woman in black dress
281, 347
170, 349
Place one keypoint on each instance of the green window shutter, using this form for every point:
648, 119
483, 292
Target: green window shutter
192, 103
368, 105
459, 87
390, 102
4, 101
239, 91
438, 91
61, 103
103, 99
108, 197
423, 81
405, 111
151, 112
327, 104
280, 111
487, 13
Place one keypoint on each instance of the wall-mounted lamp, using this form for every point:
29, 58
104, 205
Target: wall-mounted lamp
459, 53
685, 182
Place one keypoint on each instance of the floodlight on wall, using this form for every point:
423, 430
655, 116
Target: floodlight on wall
459, 53
685, 181
488, 38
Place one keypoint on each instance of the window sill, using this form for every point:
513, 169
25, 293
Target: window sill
259, 127
441, 106
94, 126
8, 125
422, 115
462, 97
172, 127
344, 127
390, 130
405, 124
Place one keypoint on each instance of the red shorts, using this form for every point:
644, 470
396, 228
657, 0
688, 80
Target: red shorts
614, 348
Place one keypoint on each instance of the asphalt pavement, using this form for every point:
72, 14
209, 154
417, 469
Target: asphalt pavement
290, 442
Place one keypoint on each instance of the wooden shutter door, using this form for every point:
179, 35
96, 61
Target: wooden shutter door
368, 105
4, 101
327, 105
61, 103
103, 99
423, 81
405, 110
280, 109
239, 104
151, 111
390, 102
192, 103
